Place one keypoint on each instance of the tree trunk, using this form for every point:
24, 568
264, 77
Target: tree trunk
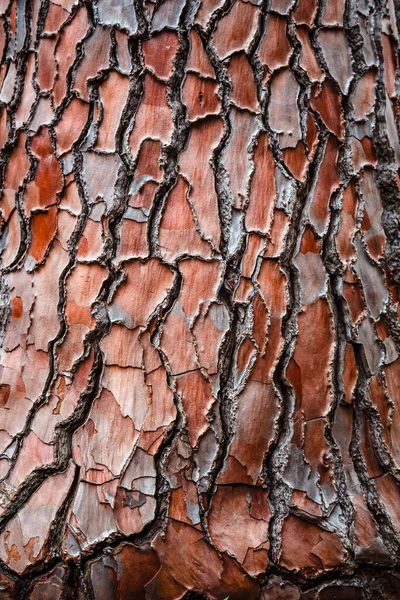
200, 251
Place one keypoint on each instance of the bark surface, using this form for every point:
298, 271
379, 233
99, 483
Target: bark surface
199, 310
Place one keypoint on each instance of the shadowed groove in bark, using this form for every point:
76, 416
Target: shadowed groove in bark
181, 128
390, 195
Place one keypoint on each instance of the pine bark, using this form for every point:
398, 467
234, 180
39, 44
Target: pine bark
199, 299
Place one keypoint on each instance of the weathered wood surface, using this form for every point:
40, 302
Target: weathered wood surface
200, 252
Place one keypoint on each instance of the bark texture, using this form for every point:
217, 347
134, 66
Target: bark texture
200, 252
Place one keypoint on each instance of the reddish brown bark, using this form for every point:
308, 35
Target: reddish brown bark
200, 254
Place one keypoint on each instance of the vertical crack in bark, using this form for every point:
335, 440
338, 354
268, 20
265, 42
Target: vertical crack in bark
386, 171
181, 128
374, 503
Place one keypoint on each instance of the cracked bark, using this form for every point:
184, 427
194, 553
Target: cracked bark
199, 310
